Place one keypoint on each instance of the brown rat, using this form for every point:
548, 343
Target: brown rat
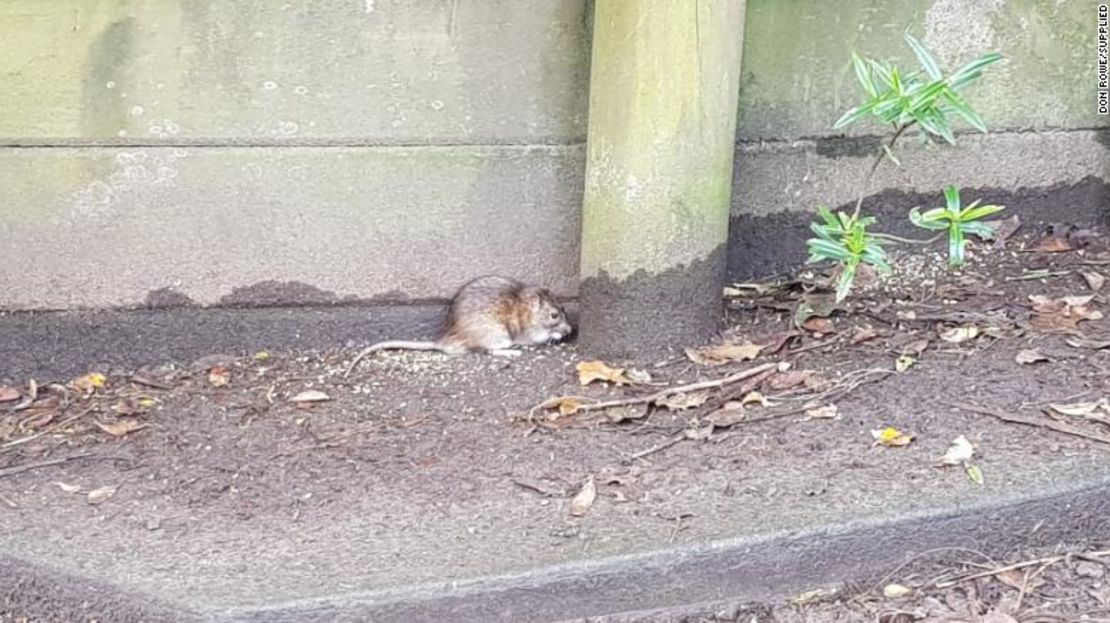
491, 314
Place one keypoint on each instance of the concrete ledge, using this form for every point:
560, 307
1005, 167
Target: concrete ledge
760, 567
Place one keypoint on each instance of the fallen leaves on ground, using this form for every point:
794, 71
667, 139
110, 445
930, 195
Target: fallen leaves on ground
1098, 411
8, 394
825, 412
960, 451
1053, 244
219, 376
896, 591
101, 495
915, 348
1027, 356
793, 379
1062, 314
864, 334
310, 395
959, 335
903, 363
584, 499
681, 402
816, 324
720, 354
1094, 280
89, 383
120, 427
590, 371
68, 488
891, 437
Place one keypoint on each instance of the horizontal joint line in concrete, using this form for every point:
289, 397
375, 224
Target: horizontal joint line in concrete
872, 136
9, 143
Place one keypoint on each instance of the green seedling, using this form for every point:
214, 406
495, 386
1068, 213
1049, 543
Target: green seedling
957, 221
844, 239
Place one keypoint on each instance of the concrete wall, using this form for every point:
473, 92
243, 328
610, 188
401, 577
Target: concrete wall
231, 153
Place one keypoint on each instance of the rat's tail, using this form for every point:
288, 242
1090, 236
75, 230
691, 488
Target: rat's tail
394, 345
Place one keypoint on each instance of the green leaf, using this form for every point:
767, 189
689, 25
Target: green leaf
955, 246
952, 199
863, 74
844, 283
933, 219
826, 249
976, 213
984, 231
964, 110
924, 57
940, 122
854, 115
884, 73
928, 95
971, 71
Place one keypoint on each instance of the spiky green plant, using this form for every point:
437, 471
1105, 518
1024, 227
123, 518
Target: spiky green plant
844, 239
957, 221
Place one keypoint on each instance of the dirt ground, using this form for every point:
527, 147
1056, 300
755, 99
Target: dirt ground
933, 354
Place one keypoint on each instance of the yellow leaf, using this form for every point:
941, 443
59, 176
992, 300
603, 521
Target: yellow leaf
147, 402
891, 437
90, 382
590, 371
261, 356
569, 406
903, 363
754, 398
974, 474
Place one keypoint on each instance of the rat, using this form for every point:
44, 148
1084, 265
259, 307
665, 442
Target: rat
491, 314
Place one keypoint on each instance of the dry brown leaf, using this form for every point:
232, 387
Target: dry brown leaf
68, 488
101, 495
863, 334
584, 499
1094, 280
789, 380
753, 398
1016, 579
1063, 313
8, 394
820, 325
310, 395
590, 371
778, 341
219, 376
568, 406
1028, 356
120, 427
915, 348
680, 402
723, 353
617, 415
1053, 244
728, 415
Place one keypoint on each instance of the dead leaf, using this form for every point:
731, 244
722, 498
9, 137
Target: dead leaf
959, 452
1018, 580
1028, 356
637, 376
903, 363
101, 495
584, 499
1094, 280
616, 415
219, 376
120, 427
778, 341
896, 591
863, 334
719, 354
89, 382
568, 406
753, 398
891, 437
67, 488
916, 347
815, 324
699, 434
958, 335
1083, 409
680, 402
310, 395
1053, 244
1090, 343
728, 415
8, 394
789, 380
1062, 314
590, 371
827, 412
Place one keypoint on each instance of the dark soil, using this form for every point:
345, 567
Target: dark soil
222, 442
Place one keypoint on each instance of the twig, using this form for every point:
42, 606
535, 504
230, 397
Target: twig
656, 448
916, 557
1014, 419
663, 393
48, 431
1017, 565
875, 165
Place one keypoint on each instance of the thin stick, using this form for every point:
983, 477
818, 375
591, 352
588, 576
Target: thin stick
656, 448
663, 393
19, 469
875, 165
1017, 565
48, 431
1013, 419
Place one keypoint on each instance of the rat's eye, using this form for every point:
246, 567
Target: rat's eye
554, 315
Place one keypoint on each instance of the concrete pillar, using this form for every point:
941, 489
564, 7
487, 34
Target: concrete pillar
662, 119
